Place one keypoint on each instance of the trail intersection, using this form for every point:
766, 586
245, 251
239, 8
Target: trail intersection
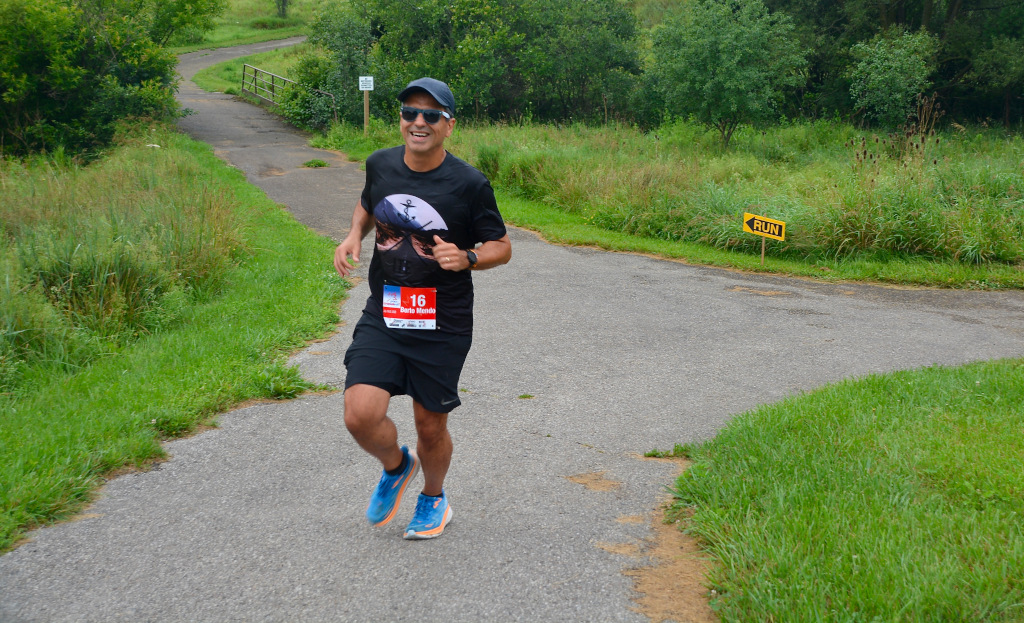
262, 519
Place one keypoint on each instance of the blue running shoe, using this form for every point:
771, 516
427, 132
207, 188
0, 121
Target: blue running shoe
388, 494
432, 515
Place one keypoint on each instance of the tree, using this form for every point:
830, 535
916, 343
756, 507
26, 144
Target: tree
1000, 68
282, 8
587, 58
726, 63
70, 69
549, 59
341, 54
891, 71
169, 17
963, 31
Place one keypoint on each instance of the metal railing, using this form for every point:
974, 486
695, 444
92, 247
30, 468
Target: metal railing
271, 87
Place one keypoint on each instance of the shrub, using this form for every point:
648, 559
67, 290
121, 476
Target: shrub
70, 70
726, 63
891, 70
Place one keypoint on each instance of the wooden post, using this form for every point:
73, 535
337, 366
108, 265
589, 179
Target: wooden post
366, 85
366, 113
762, 250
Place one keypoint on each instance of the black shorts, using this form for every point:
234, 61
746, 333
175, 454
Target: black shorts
422, 364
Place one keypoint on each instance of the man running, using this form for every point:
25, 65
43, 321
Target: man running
436, 219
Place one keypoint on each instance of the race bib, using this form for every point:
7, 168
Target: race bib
410, 308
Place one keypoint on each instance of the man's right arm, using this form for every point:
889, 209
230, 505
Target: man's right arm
362, 224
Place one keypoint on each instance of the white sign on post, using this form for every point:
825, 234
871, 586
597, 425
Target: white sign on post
366, 85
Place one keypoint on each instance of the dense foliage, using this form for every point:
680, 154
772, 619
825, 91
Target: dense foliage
977, 60
70, 69
891, 71
725, 63
504, 59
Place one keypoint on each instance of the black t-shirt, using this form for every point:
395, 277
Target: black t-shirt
455, 202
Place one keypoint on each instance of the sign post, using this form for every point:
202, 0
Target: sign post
366, 85
764, 227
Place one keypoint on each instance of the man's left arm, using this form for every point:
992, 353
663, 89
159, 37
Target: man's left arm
488, 255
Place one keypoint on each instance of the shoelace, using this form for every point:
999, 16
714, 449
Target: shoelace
424, 506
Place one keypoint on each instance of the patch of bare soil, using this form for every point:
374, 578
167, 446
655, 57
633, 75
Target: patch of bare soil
595, 481
671, 588
760, 291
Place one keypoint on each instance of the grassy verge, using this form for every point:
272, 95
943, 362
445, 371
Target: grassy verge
226, 77
250, 21
543, 206
63, 432
889, 498
574, 229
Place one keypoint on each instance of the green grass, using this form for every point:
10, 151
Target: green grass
66, 428
888, 498
617, 189
356, 142
226, 77
251, 21
572, 229
891, 498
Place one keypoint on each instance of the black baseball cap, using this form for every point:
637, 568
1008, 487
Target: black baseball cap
435, 88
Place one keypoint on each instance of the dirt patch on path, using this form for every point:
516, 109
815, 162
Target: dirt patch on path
672, 586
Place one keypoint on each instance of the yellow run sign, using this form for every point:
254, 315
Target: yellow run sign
763, 226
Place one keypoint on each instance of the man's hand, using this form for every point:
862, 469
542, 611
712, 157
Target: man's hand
449, 256
349, 247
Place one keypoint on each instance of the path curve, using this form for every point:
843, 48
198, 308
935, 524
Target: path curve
262, 519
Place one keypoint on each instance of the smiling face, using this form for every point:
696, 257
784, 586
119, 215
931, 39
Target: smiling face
424, 143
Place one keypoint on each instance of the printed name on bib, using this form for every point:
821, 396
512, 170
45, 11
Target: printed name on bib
410, 308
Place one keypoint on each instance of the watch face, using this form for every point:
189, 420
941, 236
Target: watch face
471, 257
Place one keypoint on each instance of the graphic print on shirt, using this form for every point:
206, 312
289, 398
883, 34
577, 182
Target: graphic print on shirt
406, 226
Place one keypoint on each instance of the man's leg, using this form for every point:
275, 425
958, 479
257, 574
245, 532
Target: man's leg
366, 408
434, 447
366, 417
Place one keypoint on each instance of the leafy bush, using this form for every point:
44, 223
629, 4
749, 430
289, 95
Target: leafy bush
69, 70
891, 71
341, 40
544, 59
726, 63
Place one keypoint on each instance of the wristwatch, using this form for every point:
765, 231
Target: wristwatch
471, 257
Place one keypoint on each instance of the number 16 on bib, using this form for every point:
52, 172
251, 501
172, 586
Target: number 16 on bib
410, 308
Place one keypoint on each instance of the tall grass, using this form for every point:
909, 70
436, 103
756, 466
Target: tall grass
841, 194
141, 295
97, 256
950, 215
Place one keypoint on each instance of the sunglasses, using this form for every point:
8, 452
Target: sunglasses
429, 115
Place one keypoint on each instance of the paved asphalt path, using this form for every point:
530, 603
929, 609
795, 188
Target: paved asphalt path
262, 519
